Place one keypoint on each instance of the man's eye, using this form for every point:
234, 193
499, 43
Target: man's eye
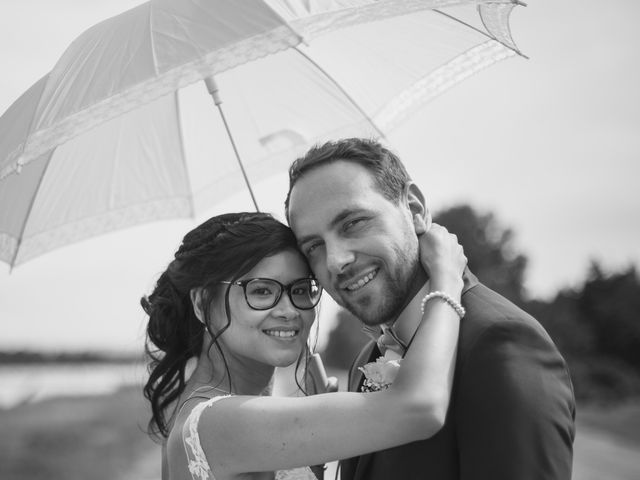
309, 249
353, 223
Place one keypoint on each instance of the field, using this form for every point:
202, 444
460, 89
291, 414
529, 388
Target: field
103, 437
98, 438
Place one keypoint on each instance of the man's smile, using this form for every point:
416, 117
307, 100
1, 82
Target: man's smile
356, 283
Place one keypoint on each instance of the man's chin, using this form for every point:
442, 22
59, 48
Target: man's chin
376, 308
370, 315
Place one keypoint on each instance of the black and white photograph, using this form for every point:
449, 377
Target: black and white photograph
319, 240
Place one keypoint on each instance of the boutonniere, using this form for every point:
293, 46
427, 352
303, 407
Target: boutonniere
380, 374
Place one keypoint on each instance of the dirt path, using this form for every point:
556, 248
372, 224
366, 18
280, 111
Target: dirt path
599, 456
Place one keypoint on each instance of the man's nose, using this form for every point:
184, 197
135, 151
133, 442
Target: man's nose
339, 257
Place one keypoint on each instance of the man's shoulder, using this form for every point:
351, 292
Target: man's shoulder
489, 315
486, 307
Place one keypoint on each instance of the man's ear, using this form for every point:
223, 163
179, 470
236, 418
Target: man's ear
196, 302
418, 207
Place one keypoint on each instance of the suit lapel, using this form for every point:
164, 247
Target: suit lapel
470, 280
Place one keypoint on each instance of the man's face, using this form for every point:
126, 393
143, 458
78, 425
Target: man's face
362, 247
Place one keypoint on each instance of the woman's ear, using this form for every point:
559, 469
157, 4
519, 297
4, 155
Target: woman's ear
418, 207
196, 302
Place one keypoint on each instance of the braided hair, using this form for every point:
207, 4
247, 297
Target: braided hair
224, 247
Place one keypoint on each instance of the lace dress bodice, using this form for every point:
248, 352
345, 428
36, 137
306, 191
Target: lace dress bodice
197, 461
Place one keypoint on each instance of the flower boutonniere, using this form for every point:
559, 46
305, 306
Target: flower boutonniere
380, 374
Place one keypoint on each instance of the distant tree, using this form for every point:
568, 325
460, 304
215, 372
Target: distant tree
489, 248
610, 306
597, 329
562, 320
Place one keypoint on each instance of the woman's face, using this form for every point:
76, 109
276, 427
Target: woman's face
275, 336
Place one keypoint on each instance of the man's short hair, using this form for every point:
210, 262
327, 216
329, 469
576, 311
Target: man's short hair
388, 172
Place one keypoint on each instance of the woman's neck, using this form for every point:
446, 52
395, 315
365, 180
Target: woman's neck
247, 376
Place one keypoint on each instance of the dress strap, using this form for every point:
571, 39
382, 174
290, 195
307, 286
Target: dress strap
196, 459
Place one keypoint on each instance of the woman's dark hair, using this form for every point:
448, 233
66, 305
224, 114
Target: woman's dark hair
224, 247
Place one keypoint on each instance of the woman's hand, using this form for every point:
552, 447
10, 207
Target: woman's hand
442, 257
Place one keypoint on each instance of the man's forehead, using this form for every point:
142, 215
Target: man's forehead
334, 178
324, 191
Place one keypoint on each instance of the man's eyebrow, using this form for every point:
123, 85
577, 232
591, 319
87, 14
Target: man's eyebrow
339, 218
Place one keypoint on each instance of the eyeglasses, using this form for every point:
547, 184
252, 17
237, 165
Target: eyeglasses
265, 293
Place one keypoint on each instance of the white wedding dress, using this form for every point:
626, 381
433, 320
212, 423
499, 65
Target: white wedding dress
197, 461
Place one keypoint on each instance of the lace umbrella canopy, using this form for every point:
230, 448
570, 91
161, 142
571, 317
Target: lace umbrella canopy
123, 131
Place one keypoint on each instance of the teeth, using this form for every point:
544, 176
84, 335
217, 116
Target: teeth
362, 282
281, 333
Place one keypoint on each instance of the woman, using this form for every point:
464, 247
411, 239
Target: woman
240, 298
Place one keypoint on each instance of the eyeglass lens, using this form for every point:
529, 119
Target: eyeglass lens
265, 293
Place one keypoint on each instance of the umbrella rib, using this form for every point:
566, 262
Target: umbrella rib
235, 150
344, 92
18, 162
28, 213
152, 41
183, 153
480, 31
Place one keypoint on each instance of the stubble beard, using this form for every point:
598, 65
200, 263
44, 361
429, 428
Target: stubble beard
387, 305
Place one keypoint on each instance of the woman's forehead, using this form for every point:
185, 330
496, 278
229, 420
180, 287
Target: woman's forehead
282, 266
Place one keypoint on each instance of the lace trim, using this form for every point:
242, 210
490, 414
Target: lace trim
363, 12
402, 106
319, 18
196, 459
302, 473
81, 229
8, 247
73, 125
495, 18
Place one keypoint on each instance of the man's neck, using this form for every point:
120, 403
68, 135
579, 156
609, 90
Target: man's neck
420, 277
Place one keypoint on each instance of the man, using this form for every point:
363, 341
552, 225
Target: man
352, 207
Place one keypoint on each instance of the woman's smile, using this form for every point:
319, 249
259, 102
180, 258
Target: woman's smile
283, 333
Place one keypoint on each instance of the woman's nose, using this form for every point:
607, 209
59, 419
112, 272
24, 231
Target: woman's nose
285, 308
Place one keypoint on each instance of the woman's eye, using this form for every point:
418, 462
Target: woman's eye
261, 291
300, 291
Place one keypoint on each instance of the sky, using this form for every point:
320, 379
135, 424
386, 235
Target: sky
550, 145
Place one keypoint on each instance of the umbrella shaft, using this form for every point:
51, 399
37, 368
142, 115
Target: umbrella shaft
212, 87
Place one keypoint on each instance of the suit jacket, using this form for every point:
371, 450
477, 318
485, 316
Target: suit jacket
512, 409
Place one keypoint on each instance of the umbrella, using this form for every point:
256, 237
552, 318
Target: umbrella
122, 130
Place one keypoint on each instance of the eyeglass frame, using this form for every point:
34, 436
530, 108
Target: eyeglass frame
246, 281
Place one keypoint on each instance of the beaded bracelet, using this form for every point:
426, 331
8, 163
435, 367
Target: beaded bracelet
455, 305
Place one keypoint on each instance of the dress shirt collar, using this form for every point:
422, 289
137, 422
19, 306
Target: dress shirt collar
405, 325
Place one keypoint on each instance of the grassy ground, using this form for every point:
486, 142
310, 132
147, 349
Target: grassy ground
75, 438
102, 438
